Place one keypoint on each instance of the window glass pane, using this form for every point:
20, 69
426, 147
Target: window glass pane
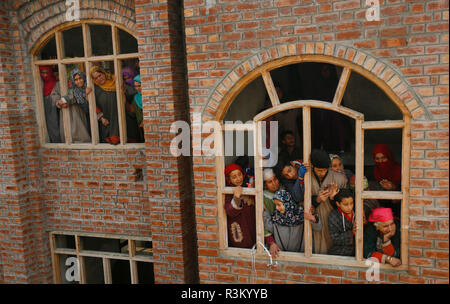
73, 42
68, 273
101, 244
307, 80
238, 149
65, 241
386, 165
133, 106
120, 271
77, 103
48, 51
249, 102
144, 248
94, 270
128, 44
51, 95
102, 74
145, 273
332, 131
101, 40
365, 97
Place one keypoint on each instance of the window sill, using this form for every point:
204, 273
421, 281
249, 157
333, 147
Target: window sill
323, 259
49, 146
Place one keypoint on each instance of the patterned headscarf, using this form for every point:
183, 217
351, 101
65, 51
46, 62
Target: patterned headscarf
79, 93
110, 84
293, 213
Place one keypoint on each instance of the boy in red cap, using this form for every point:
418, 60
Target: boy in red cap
240, 209
382, 238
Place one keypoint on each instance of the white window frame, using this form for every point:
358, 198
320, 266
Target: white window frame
360, 194
80, 253
87, 60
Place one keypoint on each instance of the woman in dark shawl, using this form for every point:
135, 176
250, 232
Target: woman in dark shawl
106, 99
78, 106
51, 96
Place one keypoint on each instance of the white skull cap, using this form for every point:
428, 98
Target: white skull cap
268, 173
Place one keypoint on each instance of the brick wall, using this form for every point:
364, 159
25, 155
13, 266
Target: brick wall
160, 32
228, 39
95, 190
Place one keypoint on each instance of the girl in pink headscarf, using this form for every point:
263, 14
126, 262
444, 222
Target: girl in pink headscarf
382, 238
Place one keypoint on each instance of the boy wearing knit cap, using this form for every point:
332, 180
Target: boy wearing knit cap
382, 238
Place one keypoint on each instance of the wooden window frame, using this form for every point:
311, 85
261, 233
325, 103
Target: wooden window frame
80, 254
360, 126
87, 60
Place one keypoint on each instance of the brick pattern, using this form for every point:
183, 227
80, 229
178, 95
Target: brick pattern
95, 190
23, 241
407, 49
159, 29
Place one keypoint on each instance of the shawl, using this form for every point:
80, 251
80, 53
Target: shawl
49, 80
138, 96
293, 214
110, 84
389, 170
78, 93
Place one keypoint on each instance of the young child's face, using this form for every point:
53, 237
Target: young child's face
272, 184
346, 205
236, 177
289, 172
279, 206
336, 165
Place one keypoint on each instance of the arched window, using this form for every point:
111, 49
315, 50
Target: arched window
294, 92
109, 113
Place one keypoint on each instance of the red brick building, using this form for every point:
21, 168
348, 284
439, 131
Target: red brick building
140, 205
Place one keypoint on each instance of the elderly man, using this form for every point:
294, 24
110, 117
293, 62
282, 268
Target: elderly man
325, 184
382, 238
278, 237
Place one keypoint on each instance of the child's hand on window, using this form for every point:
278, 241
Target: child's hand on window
302, 171
274, 250
310, 217
334, 189
237, 191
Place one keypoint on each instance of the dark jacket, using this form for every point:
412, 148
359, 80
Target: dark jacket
340, 229
373, 244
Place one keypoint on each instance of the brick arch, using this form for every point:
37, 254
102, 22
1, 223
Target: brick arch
387, 77
39, 19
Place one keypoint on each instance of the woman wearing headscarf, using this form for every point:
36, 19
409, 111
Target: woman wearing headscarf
388, 175
134, 133
382, 238
106, 99
78, 106
137, 104
387, 172
128, 74
51, 96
